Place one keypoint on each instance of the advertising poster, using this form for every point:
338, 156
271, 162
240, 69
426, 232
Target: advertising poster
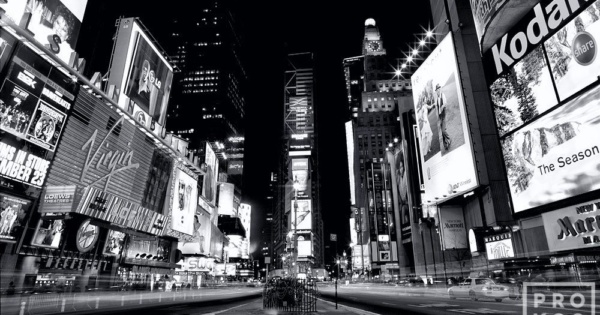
200, 244
219, 269
556, 156
226, 196
13, 216
22, 113
523, 92
184, 203
304, 248
209, 186
56, 23
453, 229
401, 185
573, 52
360, 253
301, 211
157, 182
447, 158
114, 243
563, 227
149, 78
300, 173
48, 233
483, 12
46, 126
235, 167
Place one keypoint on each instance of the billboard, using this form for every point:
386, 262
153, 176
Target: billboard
573, 52
446, 153
523, 93
305, 248
235, 167
301, 211
157, 182
350, 153
185, 198
114, 243
226, 194
300, 173
209, 185
142, 74
13, 216
453, 229
53, 23
7, 45
56, 199
200, 244
557, 156
571, 228
34, 100
483, 12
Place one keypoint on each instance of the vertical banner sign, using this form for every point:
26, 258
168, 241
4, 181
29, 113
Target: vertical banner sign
446, 150
209, 186
452, 225
184, 203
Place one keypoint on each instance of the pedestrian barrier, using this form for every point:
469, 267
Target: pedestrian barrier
291, 295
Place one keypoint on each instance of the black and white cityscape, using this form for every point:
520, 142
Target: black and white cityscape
279, 157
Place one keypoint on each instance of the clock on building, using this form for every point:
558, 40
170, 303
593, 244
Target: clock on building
373, 46
87, 235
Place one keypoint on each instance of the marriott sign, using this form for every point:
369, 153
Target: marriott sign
526, 35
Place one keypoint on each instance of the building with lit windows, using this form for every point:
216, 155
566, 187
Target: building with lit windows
376, 97
297, 219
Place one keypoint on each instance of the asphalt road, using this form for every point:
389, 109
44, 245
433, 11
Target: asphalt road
395, 300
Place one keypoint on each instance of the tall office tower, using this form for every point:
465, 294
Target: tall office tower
299, 235
376, 97
207, 102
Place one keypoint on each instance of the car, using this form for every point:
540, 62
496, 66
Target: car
479, 288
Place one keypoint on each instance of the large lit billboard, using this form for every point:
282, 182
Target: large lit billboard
305, 248
300, 173
301, 213
53, 23
447, 158
573, 52
522, 93
142, 74
350, 153
557, 156
226, 206
184, 203
200, 244
209, 186
34, 100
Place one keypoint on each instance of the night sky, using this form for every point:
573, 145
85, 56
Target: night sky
271, 29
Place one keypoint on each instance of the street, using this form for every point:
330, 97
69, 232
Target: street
383, 299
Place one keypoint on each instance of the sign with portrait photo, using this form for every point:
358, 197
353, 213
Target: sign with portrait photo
13, 216
446, 154
185, 197
48, 233
209, 186
114, 243
56, 23
46, 126
200, 243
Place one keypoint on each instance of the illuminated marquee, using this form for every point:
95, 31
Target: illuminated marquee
499, 246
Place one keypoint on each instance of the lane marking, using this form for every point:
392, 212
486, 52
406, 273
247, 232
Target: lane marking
351, 308
214, 313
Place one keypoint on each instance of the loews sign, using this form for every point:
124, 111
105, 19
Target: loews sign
544, 20
574, 227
